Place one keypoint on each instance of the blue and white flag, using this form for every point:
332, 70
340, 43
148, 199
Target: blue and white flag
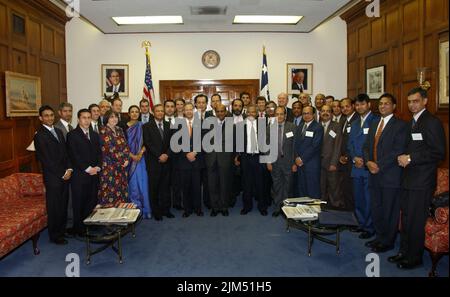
264, 90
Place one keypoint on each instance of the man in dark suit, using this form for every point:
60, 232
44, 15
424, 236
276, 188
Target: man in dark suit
425, 148
96, 124
331, 149
338, 117
237, 107
345, 184
220, 167
52, 153
297, 108
104, 106
281, 169
319, 101
252, 169
85, 154
283, 100
360, 175
261, 103
157, 136
190, 162
145, 115
308, 145
298, 80
385, 142
116, 106
117, 84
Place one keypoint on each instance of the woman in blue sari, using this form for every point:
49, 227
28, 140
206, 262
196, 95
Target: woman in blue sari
137, 172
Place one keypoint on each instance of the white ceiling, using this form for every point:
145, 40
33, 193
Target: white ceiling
100, 13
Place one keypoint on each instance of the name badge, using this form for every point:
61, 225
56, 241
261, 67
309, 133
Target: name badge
417, 136
309, 134
366, 130
289, 134
349, 129
332, 133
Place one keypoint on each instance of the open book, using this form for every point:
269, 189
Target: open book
302, 212
113, 215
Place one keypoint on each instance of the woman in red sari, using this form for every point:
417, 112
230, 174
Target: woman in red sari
115, 158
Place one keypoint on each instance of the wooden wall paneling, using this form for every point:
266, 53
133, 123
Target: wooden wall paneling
436, 13
378, 32
40, 52
410, 59
364, 39
393, 25
411, 17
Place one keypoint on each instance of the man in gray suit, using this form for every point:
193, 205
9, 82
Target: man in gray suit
331, 149
65, 111
281, 169
219, 167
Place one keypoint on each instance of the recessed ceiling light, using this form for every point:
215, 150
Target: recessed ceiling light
267, 19
149, 20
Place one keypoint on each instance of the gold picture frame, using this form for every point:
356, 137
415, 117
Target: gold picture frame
443, 100
23, 94
111, 73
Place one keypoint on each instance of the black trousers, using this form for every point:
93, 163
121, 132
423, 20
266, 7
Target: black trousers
385, 203
253, 178
219, 186
237, 184
205, 188
345, 187
192, 199
56, 196
159, 183
177, 188
84, 199
414, 206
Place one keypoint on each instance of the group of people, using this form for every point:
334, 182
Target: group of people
376, 165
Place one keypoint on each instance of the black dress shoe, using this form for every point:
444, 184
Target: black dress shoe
199, 213
158, 218
213, 213
225, 213
371, 243
263, 212
396, 258
186, 214
60, 241
170, 215
381, 248
244, 212
405, 264
276, 213
366, 235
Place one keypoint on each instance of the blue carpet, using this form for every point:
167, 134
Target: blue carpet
250, 245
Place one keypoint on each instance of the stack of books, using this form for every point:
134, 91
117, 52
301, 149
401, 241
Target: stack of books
302, 208
113, 215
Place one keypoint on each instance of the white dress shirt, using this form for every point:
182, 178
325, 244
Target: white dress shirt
249, 139
66, 124
417, 115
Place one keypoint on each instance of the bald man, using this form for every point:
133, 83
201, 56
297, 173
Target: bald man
283, 100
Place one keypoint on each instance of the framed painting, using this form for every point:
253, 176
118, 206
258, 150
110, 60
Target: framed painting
299, 78
115, 79
375, 82
23, 94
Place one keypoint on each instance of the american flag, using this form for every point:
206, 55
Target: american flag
264, 90
149, 94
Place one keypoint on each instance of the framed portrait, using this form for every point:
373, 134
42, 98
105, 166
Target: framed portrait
299, 78
115, 79
375, 82
23, 94
443, 74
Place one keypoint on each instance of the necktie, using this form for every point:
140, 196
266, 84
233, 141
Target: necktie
161, 131
414, 123
301, 88
280, 140
253, 141
95, 127
190, 128
362, 122
70, 127
345, 126
304, 130
377, 138
87, 135
54, 133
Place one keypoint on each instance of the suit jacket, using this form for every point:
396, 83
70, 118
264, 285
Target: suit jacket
346, 129
289, 115
331, 146
52, 154
123, 122
223, 158
181, 161
83, 152
391, 144
425, 154
293, 121
61, 127
341, 121
309, 148
155, 145
121, 88
356, 142
288, 158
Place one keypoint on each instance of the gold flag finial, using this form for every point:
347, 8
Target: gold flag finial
146, 43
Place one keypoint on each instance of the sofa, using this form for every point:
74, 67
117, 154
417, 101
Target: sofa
436, 227
23, 211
